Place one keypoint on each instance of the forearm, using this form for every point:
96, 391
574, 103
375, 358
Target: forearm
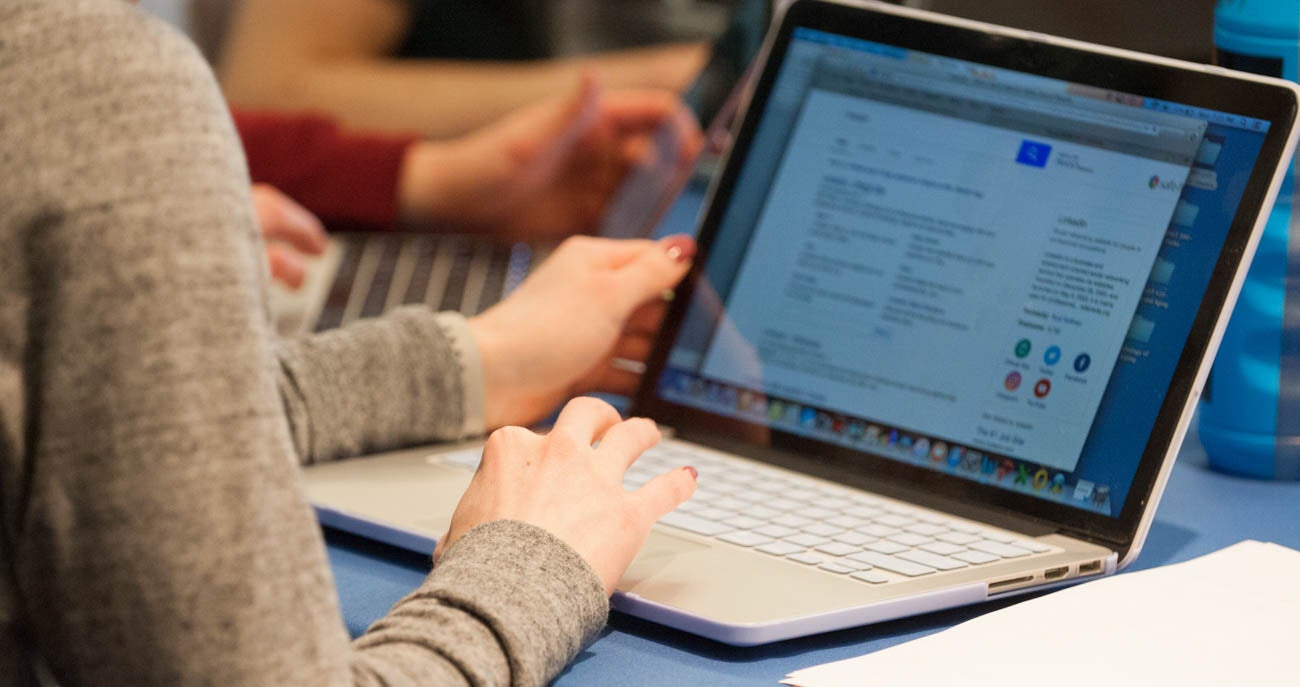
444, 98
411, 377
515, 604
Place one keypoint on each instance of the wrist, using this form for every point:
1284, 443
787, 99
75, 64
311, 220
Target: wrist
494, 360
422, 191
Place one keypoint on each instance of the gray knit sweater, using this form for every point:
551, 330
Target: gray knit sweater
153, 527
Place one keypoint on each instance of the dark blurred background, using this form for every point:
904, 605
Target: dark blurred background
1175, 28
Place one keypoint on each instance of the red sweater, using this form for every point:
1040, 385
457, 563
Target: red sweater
349, 180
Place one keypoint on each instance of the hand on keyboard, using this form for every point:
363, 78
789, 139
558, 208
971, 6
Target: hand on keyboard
563, 485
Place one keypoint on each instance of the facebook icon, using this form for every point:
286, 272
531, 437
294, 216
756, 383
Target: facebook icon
1033, 154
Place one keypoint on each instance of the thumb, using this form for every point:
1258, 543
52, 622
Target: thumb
665, 492
656, 270
557, 133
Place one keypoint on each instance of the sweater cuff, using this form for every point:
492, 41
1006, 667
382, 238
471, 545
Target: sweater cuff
471, 372
540, 598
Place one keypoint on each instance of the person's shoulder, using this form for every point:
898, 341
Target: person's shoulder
94, 39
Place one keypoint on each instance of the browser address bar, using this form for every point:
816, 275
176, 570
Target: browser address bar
1018, 102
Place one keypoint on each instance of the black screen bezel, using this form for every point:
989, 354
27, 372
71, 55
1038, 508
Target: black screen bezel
1009, 49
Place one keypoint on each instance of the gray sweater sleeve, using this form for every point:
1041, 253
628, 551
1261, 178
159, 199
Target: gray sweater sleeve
155, 530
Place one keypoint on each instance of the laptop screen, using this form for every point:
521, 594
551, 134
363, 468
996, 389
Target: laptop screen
963, 268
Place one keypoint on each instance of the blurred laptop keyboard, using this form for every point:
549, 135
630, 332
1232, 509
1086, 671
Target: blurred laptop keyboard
379, 272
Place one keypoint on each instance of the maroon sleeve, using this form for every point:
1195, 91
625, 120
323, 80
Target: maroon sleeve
349, 180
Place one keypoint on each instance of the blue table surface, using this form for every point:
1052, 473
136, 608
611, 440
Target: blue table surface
1202, 511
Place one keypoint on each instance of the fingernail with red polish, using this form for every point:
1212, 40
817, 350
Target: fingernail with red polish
680, 249
694, 474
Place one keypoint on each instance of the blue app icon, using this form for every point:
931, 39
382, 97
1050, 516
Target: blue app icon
1052, 355
1081, 362
1033, 153
808, 418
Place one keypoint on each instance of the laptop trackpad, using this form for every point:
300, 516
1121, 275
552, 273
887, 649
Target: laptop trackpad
661, 550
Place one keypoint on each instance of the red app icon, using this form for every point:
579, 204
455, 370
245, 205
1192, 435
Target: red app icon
1042, 388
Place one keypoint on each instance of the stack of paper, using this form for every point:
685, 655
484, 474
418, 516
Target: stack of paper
1229, 618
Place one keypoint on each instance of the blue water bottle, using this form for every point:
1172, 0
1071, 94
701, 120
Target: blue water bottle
1250, 414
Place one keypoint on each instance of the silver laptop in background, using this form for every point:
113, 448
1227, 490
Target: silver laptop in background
958, 290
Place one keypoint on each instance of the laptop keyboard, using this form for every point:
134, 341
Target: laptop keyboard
835, 529
379, 272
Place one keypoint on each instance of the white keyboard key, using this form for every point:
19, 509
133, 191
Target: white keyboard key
942, 548
805, 495
743, 476
822, 529
837, 549
731, 503
997, 536
854, 538
690, 523
791, 520
762, 512
881, 530
892, 564
933, 560
999, 549
1030, 544
895, 520
863, 511
718, 514
817, 513
870, 576
691, 507
744, 522
745, 539
848, 522
805, 558
932, 518
776, 531
967, 527
835, 503
780, 548
909, 539
850, 563
784, 504
899, 508
807, 540
960, 538
836, 568
975, 557
887, 547
925, 528
707, 494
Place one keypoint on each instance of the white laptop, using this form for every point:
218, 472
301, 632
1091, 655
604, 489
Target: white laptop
958, 290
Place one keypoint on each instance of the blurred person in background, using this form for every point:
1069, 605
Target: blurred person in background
440, 67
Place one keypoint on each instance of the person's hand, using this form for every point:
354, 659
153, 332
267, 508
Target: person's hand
558, 335
547, 170
560, 483
290, 231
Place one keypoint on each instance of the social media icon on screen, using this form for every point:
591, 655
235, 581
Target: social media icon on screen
1012, 382
1033, 153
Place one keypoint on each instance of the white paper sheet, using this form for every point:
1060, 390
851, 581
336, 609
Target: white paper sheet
1228, 618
